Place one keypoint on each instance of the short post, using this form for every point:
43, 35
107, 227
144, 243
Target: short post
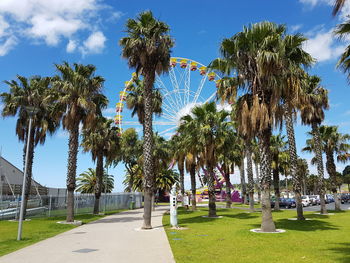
50, 206
173, 207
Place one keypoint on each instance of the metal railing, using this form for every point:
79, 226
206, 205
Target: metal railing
49, 206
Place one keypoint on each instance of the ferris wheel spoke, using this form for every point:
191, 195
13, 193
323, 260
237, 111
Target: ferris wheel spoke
169, 110
161, 86
211, 97
187, 84
169, 117
200, 87
167, 130
175, 84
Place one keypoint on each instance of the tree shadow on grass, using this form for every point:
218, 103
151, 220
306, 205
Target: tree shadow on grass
311, 225
342, 251
242, 215
305, 225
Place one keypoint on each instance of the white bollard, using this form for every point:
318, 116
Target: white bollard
173, 207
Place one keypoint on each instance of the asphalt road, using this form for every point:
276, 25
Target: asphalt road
330, 206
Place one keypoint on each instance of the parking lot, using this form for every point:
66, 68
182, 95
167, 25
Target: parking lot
330, 206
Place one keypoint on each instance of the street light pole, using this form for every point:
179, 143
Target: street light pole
20, 222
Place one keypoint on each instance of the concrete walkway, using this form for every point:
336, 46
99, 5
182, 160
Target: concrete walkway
115, 238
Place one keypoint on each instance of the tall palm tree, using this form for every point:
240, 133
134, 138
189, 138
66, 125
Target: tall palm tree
87, 181
256, 56
294, 60
102, 141
205, 126
79, 96
30, 95
256, 159
333, 142
312, 113
147, 49
278, 146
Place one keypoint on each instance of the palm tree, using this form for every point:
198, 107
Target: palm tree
338, 5
229, 154
205, 126
147, 49
179, 155
343, 32
333, 142
30, 95
135, 100
256, 159
102, 141
87, 182
129, 152
256, 56
79, 96
312, 113
294, 59
278, 146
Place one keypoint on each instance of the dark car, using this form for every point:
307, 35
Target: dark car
345, 198
284, 202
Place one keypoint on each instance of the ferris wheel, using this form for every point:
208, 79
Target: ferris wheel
188, 83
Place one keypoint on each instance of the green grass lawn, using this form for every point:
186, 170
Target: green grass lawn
36, 230
228, 239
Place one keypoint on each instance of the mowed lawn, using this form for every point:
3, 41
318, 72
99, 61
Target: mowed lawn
36, 229
228, 239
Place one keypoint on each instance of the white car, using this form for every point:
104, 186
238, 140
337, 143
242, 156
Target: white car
305, 200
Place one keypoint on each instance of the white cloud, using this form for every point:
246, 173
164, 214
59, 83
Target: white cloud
71, 46
108, 111
323, 46
343, 13
94, 44
347, 112
53, 21
295, 28
7, 45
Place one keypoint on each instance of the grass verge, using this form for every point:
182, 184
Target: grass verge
37, 229
228, 239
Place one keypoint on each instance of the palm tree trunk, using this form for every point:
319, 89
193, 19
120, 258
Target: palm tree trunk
320, 169
193, 185
211, 193
267, 224
148, 162
250, 176
72, 170
258, 181
330, 164
228, 185
243, 185
293, 163
98, 185
276, 188
181, 167
30, 171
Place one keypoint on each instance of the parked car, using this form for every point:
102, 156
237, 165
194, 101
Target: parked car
284, 202
306, 201
345, 198
315, 199
329, 198
287, 202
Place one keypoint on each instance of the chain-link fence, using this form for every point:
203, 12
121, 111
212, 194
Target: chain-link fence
48, 206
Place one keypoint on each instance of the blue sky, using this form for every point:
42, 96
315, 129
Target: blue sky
39, 33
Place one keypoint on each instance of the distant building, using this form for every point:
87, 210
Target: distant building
11, 181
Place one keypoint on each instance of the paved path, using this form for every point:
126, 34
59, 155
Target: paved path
110, 239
